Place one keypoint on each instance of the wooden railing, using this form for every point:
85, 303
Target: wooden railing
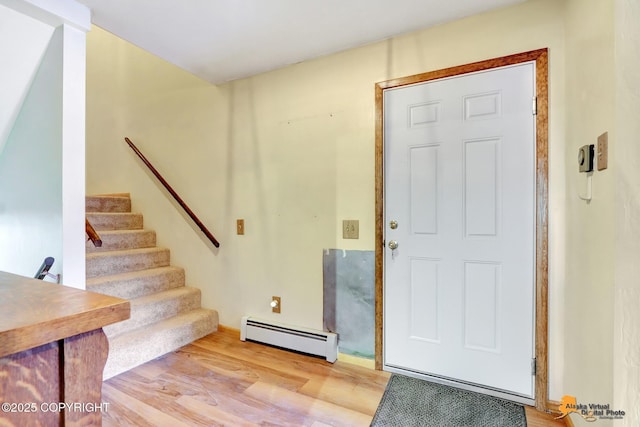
93, 234
174, 194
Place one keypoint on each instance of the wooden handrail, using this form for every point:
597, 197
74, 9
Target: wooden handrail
93, 234
174, 194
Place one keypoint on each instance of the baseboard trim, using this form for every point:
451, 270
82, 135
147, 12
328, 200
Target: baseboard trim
568, 421
553, 406
228, 329
355, 360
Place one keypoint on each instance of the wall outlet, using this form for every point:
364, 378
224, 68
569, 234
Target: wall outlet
350, 229
275, 304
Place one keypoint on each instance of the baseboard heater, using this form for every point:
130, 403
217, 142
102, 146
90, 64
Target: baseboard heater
304, 340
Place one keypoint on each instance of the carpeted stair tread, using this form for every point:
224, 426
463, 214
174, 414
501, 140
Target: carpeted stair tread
115, 221
134, 284
108, 203
114, 262
141, 345
156, 307
165, 314
123, 239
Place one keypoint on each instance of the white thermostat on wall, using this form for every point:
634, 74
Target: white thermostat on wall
585, 158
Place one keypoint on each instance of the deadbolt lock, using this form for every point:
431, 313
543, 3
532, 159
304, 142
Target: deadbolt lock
393, 224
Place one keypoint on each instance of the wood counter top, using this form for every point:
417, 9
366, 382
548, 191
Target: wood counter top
33, 312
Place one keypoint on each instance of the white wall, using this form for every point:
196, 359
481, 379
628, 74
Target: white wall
45, 134
626, 331
31, 174
25, 56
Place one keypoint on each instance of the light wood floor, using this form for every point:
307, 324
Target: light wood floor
222, 381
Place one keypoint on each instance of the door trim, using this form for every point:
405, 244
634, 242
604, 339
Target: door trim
540, 57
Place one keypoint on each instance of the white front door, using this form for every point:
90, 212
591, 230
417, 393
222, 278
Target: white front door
459, 197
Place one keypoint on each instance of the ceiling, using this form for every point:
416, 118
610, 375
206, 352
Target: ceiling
223, 40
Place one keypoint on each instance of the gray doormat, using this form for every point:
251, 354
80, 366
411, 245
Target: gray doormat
409, 402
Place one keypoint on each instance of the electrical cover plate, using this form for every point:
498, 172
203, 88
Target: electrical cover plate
603, 151
350, 229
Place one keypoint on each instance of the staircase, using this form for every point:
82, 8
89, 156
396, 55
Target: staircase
165, 314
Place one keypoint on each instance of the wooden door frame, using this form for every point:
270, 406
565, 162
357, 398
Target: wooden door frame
541, 292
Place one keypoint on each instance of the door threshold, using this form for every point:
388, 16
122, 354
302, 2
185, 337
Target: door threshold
524, 400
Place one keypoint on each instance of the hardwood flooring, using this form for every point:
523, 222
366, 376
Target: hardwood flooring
222, 381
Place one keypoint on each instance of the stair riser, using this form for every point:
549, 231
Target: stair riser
140, 286
127, 352
120, 241
107, 204
116, 263
115, 221
142, 315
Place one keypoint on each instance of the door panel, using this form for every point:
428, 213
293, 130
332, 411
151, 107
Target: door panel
423, 164
482, 326
459, 181
424, 300
481, 170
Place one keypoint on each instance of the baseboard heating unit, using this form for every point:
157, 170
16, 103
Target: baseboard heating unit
304, 340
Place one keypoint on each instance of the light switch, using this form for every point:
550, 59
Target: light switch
240, 226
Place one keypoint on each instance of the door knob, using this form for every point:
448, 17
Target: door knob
393, 224
393, 245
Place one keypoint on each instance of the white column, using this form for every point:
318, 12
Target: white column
73, 156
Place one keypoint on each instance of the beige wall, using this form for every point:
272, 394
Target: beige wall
292, 151
626, 332
589, 232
